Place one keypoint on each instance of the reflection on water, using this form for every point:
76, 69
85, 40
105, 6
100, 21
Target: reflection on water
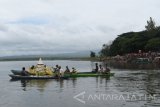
141, 83
42, 84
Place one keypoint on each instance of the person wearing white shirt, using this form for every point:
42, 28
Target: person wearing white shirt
61, 71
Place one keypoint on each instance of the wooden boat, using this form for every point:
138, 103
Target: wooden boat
89, 74
66, 76
35, 77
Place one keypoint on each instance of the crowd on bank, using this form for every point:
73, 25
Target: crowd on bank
153, 57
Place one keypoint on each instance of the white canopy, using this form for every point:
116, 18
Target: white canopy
40, 62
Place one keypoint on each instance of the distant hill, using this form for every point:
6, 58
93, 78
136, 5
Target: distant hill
74, 55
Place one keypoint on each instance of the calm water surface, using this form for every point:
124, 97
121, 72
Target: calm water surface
128, 88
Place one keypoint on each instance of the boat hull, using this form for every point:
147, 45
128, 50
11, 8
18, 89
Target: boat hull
90, 74
35, 77
17, 75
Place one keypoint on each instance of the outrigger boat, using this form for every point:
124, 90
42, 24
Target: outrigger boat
40, 73
79, 74
66, 76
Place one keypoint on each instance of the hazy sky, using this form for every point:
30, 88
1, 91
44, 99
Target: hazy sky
53, 26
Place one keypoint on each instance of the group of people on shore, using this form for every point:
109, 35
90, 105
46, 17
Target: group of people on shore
153, 57
101, 69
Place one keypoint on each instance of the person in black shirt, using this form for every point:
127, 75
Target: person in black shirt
96, 69
24, 72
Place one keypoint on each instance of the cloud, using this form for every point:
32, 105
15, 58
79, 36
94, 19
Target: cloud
3, 28
31, 20
52, 26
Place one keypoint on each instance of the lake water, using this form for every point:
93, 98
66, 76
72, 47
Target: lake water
128, 88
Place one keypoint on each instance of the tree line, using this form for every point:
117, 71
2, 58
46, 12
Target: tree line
131, 42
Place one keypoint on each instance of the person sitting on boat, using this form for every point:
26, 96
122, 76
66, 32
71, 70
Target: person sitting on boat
32, 67
67, 70
74, 70
100, 69
32, 70
57, 68
57, 71
24, 72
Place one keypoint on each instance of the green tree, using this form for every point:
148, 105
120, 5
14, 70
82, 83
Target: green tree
131, 42
92, 54
153, 44
151, 25
105, 51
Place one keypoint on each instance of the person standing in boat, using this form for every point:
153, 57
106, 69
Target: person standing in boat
57, 71
100, 69
96, 69
61, 72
